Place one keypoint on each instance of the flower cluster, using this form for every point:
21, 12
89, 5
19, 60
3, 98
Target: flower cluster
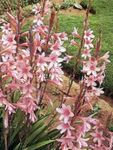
8, 38
48, 48
86, 132
25, 66
83, 131
93, 68
66, 115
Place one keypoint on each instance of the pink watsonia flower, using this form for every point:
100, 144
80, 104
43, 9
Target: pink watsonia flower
9, 39
40, 75
93, 60
4, 102
56, 74
91, 120
42, 30
37, 8
13, 86
105, 57
96, 147
98, 137
25, 53
82, 142
63, 36
86, 53
75, 33
27, 104
67, 142
100, 77
6, 28
7, 59
88, 43
4, 68
38, 20
9, 107
88, 34
28, 88
85, 125
24, 69
21, 70
67, 58
88, 97
90, 80
59, 36
74, 43
42, 61
93, 92
90, 68
97, 91
53, 60
58, 48
81, 130
63, 127
103, 68
65, 113
98, 125
37, 42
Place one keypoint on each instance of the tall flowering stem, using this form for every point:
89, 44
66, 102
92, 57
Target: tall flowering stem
43, 6
78, 130
77, 61
18, 25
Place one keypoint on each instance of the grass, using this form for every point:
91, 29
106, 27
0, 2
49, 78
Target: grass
103, 20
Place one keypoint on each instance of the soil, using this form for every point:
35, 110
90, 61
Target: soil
61, 1
57, 1
71, 11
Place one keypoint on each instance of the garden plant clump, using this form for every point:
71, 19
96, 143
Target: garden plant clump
29, 61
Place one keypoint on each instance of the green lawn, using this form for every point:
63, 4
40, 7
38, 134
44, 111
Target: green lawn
102, 20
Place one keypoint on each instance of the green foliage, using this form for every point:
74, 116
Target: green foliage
66, 4
16, 96
27, 11
111, 127
27, 24
96, 109
25, 136
28, 2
